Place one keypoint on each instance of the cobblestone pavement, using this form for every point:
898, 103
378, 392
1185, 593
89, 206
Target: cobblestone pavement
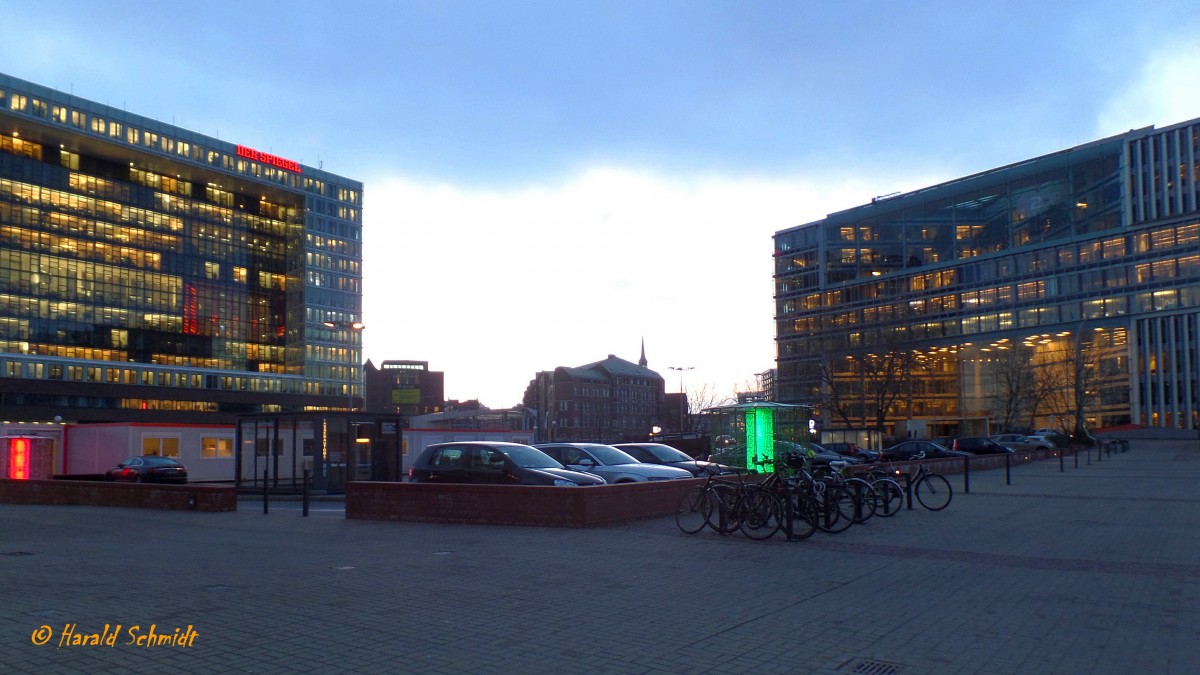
1094, 569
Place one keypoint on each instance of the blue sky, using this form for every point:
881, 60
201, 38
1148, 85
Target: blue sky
547, 183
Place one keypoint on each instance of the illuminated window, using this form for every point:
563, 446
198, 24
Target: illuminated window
216, 448
165, 446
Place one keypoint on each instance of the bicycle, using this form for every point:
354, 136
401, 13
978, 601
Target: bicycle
727, 506
931, 489
888, 492
867, 500
818, 504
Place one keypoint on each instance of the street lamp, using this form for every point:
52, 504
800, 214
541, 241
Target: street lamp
351, 328
682, 396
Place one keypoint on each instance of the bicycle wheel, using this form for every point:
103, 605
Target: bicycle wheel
835, 509
933, 492
866, 500
762, 514
723, 514
890, 495
692, 513
803, 515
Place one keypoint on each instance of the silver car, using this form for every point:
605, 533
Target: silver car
1022, 443
611, 464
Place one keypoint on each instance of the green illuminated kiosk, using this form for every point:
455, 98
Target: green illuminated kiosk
748, 435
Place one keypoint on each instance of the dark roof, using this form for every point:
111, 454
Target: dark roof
612, 366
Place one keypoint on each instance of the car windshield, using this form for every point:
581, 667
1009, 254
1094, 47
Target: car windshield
609, 455
529, 458
664, 453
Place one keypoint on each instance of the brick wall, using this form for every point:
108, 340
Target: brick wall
136, 495
514, 504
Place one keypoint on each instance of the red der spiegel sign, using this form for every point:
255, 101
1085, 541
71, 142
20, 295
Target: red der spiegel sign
267, 158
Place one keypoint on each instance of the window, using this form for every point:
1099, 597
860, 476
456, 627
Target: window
164, 446
216, 448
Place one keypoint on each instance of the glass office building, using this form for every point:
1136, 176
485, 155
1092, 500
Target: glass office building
150, 273
1059, 288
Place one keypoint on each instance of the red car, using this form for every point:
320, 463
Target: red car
148, 469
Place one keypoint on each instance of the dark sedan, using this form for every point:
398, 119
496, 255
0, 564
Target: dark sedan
906, 450
148, 469
496, 463
978, 445
657, 453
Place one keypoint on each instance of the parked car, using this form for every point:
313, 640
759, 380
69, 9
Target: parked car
1053, 436
980, 445
659, 453
849, 449
611, 464
148, 469
494, 463
905, 450
735, 455
1022, 443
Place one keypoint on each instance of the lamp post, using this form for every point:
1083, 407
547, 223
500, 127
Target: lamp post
682, 396
351, 328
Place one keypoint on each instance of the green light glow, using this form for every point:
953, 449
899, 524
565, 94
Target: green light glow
760, 439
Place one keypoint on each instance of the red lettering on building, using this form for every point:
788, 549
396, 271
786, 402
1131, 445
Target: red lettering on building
266, 158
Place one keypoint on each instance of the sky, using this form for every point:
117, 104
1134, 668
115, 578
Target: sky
550, 182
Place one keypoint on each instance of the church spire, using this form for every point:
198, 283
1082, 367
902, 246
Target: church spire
642, 361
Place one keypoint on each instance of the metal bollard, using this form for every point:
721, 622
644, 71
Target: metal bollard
304, 493
1007, 469
967, 475
266, 497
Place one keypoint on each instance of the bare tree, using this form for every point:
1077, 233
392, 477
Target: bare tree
1068, 385
1015, 385
701, 397
835, 397
884, 379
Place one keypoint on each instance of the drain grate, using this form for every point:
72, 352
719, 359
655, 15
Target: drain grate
873, 667
16, 553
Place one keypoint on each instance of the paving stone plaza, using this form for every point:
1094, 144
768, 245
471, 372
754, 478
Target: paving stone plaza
1088, 569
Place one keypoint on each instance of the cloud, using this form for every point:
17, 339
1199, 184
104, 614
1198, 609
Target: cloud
1162, 93
493, 286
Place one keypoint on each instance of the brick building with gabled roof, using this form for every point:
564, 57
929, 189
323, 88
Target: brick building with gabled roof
607, 401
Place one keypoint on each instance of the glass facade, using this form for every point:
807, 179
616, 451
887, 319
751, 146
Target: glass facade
1024, 296
149, 272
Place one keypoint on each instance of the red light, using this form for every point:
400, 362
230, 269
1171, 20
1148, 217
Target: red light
18, 458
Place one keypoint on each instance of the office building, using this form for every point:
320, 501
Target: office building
150, 273
1059, 289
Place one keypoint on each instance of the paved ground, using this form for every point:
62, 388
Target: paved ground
1092, 570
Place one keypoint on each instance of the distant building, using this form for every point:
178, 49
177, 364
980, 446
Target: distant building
607, 401
407, 388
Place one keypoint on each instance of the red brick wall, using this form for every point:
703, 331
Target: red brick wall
137, 495
514, 504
